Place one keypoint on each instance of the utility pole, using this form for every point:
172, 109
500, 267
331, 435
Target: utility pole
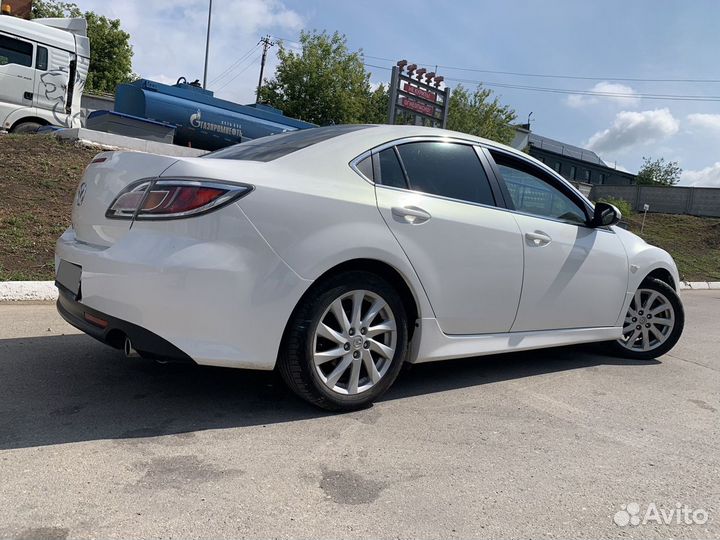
207, 45
267, 43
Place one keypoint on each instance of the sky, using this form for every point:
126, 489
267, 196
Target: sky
626, 50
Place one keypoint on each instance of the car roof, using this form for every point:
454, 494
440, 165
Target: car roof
350, 145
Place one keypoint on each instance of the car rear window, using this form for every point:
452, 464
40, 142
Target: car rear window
276, 146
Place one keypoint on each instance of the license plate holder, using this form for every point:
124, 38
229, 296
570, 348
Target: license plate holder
68, 277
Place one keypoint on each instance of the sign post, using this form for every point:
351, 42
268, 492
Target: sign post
646, 207
417, 94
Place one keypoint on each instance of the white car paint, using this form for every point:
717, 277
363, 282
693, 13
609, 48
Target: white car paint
559, 276
221, 286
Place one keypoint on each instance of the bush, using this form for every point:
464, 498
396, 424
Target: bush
624, 206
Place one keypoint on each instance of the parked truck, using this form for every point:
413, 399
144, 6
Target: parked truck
43, 69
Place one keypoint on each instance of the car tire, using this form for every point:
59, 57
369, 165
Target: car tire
653, 324
345, 365
26, 128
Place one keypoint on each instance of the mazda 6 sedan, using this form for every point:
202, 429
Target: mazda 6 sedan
335, 254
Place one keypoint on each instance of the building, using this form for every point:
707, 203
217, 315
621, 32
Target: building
574, 163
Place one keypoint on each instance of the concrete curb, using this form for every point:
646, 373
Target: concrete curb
700, 285
28, 291
45, 291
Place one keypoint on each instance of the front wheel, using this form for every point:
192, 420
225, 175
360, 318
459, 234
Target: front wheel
346, 342
26, 127
653, 323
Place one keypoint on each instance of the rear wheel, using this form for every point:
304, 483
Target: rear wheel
653, 323
27, 127
346, 343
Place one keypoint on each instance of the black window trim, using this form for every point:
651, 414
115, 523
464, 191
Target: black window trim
498, 195
502, 195
555, 181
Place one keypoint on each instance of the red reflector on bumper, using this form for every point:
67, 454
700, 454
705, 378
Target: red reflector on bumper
97, 321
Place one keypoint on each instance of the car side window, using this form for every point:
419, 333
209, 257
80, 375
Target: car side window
365, 167
391, 173
448, 169
532, 193
14, 51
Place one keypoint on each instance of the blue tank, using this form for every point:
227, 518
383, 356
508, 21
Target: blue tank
202, 120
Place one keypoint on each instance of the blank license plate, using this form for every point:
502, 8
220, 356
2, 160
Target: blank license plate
68, 277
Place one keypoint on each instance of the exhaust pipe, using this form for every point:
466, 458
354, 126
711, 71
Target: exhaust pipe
129, 351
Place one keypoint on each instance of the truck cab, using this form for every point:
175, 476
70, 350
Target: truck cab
43, 69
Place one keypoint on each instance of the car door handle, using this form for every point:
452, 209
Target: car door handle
410, 214
537, 239
28, 95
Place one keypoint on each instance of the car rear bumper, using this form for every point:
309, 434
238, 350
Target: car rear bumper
113, 331
212, 289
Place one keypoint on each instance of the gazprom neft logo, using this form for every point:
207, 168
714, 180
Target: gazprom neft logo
633, 515
225, 128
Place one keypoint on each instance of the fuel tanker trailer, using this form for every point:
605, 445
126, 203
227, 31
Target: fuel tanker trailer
200, 119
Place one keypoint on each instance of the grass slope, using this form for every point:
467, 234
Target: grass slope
39, 175
38, 178
693, 242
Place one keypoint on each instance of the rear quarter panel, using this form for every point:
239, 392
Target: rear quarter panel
312, 220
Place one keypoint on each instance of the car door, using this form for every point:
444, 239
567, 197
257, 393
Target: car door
439, 203
17, 76
575, 276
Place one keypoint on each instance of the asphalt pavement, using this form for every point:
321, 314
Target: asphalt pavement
555, 443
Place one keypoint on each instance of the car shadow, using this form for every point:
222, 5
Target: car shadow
61, 389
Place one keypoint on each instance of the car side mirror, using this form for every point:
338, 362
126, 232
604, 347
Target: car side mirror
605, 215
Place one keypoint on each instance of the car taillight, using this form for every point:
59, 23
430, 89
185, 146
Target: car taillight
172, 199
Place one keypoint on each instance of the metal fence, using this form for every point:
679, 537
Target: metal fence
695, 201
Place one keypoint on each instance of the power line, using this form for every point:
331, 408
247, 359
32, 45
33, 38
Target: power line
539, 75
668, 97
547, 76
233, 65
294, 41
567, 91
243, 70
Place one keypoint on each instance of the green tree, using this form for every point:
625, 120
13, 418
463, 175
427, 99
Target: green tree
477, 113
325, 83
54, 8
658, 172
110, 50
378, 102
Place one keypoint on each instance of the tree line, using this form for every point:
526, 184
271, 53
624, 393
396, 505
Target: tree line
324, 82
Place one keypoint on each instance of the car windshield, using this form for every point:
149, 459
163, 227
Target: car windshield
277, 146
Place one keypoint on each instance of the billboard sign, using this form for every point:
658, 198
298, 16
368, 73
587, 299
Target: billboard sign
417, 94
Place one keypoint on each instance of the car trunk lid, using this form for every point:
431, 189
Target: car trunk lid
106, 176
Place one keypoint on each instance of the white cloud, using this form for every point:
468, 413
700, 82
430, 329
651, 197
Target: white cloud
709, 176
705, 121
632, 128
168, 38
616, 93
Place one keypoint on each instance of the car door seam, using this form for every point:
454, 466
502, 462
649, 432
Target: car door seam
387, 225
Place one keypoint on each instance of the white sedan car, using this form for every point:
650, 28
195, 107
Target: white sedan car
335, 254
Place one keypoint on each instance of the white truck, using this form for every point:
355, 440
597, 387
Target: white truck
43, 69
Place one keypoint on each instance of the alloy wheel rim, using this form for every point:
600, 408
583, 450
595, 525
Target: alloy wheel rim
354, 342
649, 321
